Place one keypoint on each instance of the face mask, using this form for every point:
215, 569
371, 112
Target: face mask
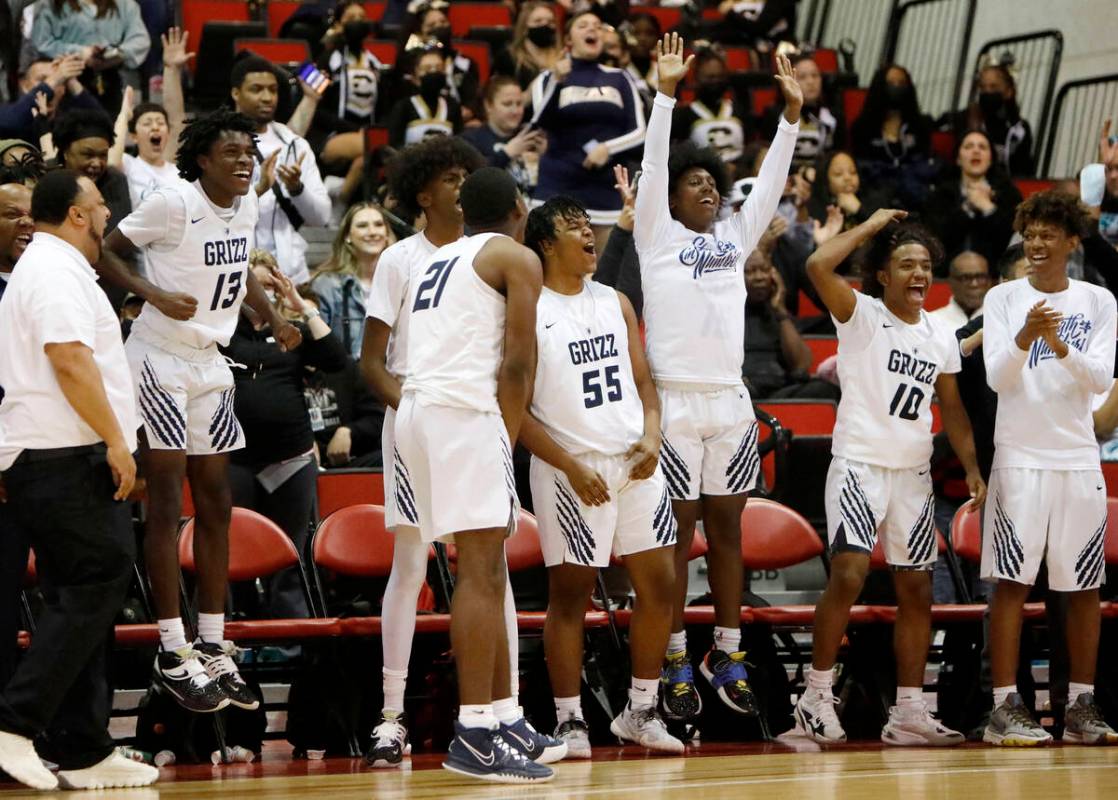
990, 102
443, 35
355, 34
542, 36
605, 59
711, 93
895, 96
431, 85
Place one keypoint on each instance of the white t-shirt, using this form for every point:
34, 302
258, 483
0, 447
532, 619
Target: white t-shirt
143, 178
694, 283
389, 292
1044, 403
456, 335
194, 247
585, 394
53, 298
887, 369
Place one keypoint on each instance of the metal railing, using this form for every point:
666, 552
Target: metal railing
864, 22
931, 38
1034, 59
1081, 107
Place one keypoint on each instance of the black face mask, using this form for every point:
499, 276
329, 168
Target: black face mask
606, 60
991, 102
896, 96
542, 36
431, 86
443, 35
710, 93
355, 34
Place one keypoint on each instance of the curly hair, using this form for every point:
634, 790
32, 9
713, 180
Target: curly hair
541, 221
84, 124
1054, 208
881, 249
200, 135
416, 166
688, 155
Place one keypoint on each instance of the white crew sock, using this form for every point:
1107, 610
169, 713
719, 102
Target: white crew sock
1002, 692
642, 692
677, 642
172, 635
568, 706
507, 711
395, 682
821, 680
211, 627
728, 640
479, 716
910, 696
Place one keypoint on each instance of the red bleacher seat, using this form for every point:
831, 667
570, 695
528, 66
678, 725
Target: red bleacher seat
966, 533
742, 59
383, 49
807, 307
341, 488
852, 102
822, 348
1028, 186
803, 417
877, 557
667, 17
774, 536
187, 500
937, 419
279, 12
826, 59
376, 137
257, 546
278, 51
522, 549
1110, 475
762, 98
478, 52
197, 13
939, 295
943, 145
1111, 545
464, 16
374, 11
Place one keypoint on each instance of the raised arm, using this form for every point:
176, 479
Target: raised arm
833, 289
956, 424
120, 129
175, 59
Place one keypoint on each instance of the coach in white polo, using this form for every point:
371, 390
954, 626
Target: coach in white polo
67, 433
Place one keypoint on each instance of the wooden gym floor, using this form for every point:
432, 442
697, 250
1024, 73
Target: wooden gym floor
791, 768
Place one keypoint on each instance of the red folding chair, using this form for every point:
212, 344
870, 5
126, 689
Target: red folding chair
383, 49
196, 13
803, 417
279, 12
464, 16
773, 536
939, 295
822, 348
338, 488
667, 17
278, 51
478, 52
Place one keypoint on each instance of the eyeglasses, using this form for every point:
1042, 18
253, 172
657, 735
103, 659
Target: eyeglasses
976, 278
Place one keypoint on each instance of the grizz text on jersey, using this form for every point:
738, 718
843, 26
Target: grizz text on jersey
586, 351
230, 252
915, 368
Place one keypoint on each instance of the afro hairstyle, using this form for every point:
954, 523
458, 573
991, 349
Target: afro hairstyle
415, 167
1054, 208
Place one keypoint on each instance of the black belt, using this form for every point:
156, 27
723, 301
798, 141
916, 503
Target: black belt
51, 454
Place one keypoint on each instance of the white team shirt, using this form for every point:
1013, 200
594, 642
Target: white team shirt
585, 394
53, 298
195, 247
887, 369
457, 329
143, 178
694, 283
1044, 403
389, 292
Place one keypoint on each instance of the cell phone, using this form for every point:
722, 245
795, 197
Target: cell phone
314, 77
634, 181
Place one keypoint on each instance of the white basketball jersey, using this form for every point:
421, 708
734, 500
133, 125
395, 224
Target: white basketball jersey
457, 329
585, 395
388, 295
887, 370
209, 261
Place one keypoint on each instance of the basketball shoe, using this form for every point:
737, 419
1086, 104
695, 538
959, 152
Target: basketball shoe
679, 699
576, 733
532, 744
389, 742
916, 726
217, 658
181, 674
727, 674
484, 754
1011, 725
1084, 723
643, 726
816, 717
114, 771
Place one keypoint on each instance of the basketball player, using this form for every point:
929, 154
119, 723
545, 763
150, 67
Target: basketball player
425, 178
470, 344
693, 280
594, 431
892, 358
1048, 345
196, 237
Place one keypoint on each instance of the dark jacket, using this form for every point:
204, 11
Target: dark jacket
961, 229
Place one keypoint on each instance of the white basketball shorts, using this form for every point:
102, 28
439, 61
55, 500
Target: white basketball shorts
1031, 512
709, 442
865, 501
459, 464
399, 496
638, 516
185, 403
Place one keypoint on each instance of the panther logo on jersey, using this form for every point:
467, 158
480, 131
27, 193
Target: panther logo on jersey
1073, 332
702, 259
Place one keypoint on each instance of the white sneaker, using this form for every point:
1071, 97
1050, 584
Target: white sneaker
915, 725
576, 733
816, 717
643, 726
19, 759
114, 771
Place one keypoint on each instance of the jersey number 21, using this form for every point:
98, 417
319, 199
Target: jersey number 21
434, 281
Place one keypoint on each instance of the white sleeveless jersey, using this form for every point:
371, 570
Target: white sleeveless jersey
191, 249
585, 395
887, 370
388, 295
457, 329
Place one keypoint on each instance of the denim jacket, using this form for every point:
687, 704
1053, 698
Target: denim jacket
343, 308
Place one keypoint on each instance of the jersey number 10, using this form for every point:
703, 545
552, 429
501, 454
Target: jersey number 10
433, 279
907, 407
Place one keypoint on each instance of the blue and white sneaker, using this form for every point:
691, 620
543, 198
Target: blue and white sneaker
482, 753
532, 744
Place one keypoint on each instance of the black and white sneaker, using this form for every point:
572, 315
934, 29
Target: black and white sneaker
217, 658
484, 754
389, 744
180, 674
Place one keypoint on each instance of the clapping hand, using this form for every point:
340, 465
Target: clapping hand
1042, 322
